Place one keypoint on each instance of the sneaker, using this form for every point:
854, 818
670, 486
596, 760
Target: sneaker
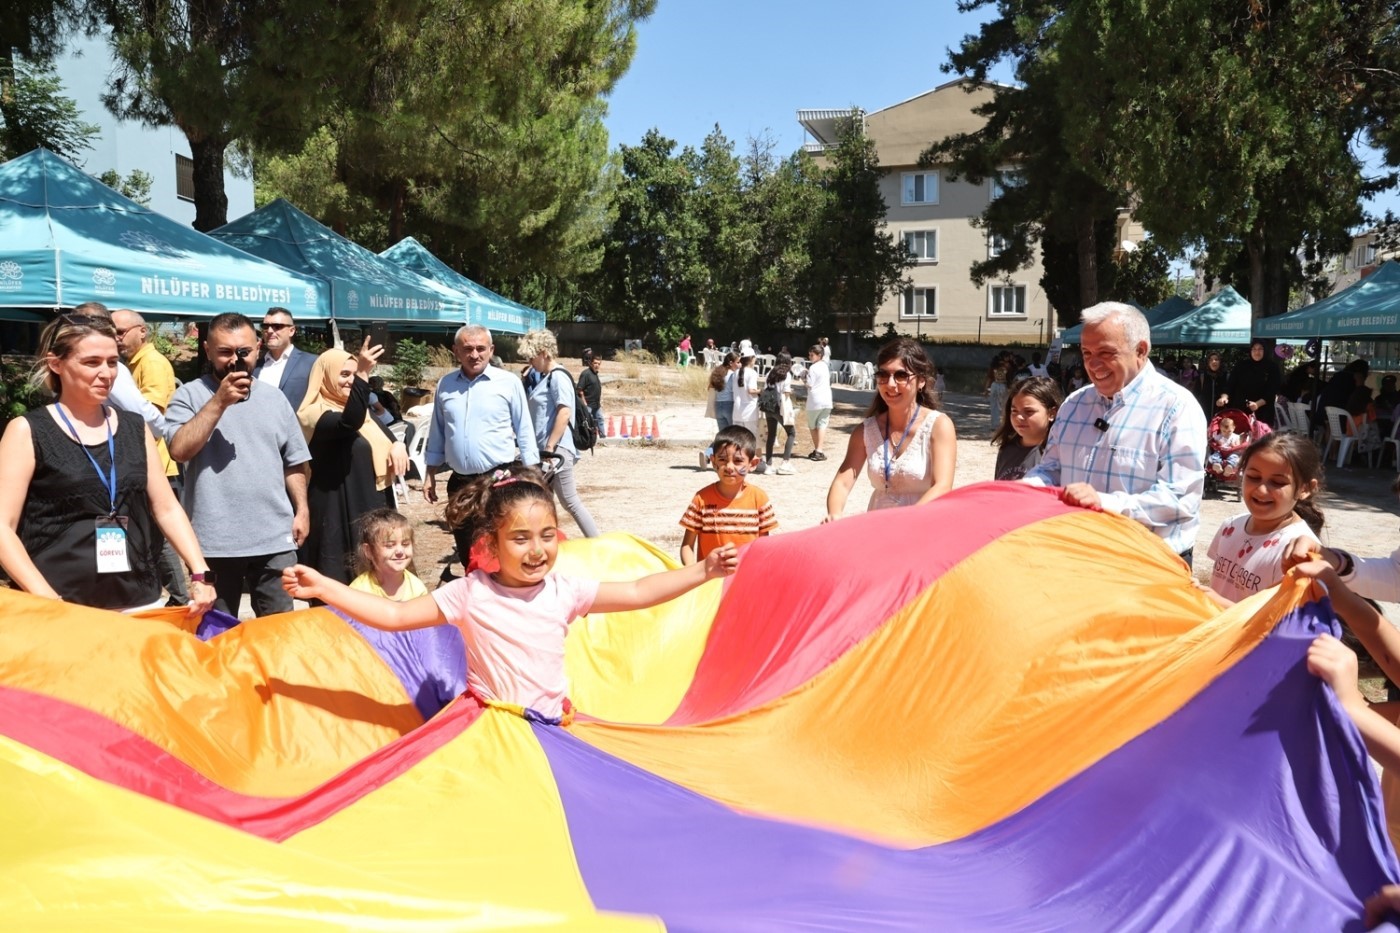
786, 469
816, 455
761, 468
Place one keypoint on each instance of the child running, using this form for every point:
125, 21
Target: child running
730, 511
1031, 407
384, 559
1281, 477
514, 620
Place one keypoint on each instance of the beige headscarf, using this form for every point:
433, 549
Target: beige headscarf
322, 396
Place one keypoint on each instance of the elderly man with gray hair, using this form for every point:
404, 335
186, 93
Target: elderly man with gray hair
481, 421
1132, 441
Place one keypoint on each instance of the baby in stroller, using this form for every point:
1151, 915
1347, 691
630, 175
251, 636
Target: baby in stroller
1231, 431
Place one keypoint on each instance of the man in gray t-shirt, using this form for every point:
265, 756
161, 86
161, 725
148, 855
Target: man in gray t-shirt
236, 436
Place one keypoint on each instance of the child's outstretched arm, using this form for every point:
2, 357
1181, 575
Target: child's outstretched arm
301, 582
690, 546
1335, 663
1382, 904
1382, 640
660, 587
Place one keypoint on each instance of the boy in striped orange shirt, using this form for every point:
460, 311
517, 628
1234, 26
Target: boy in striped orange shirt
728, 511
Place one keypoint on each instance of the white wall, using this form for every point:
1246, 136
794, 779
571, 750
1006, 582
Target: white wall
125, 145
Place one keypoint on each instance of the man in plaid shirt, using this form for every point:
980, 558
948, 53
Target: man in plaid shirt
1132, 441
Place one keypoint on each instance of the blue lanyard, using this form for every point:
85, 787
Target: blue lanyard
109, 482
908, 429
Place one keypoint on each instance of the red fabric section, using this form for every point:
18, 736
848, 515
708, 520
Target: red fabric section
767, 640
109, 752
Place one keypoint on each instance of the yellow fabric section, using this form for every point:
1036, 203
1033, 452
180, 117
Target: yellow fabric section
271, 708
120, 861
495, 825
633, 666
1041, 686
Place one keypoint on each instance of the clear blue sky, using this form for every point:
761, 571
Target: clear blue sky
750, 66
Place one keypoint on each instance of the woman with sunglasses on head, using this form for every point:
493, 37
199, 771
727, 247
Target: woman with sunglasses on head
83, 496
909, 447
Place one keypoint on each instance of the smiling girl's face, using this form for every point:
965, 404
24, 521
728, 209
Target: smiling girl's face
1031, 419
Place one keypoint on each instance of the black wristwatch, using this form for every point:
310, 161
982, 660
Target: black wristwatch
208, 577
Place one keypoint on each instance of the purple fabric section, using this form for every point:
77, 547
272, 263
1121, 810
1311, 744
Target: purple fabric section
431, 663
1251, 808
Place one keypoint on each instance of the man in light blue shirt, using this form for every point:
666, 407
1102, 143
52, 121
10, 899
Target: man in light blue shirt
481, 421
1132, 441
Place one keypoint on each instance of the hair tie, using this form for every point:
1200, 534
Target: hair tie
499, 474
505, 482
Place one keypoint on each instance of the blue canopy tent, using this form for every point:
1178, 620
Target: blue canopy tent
1222, 320
1174, 306
485, 307
362, 286
1370, 308
66, 238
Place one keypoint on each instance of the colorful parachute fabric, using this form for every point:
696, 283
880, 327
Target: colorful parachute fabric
993, 712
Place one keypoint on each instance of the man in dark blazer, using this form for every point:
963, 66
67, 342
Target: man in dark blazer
282, 364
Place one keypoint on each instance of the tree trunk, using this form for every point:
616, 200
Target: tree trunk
397, 198
1086, 245
210, 201
1268, 275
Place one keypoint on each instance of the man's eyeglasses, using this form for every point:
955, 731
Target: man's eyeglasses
274, 326
901, 377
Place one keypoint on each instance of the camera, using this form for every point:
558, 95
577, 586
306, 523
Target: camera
240, 363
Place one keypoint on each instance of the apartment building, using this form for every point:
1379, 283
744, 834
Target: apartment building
1369, 249
933, 215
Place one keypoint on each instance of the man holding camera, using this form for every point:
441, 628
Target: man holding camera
234, 433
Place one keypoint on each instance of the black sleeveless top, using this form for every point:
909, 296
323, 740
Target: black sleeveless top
66, 497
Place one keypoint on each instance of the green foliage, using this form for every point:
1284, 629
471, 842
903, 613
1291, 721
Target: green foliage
136, 185
853, 262
34, 113
410, 362
18, 392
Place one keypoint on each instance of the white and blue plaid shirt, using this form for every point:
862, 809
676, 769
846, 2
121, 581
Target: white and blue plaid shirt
1149, 464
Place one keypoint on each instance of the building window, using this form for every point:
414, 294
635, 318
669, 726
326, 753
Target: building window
919, 303
920, 188
184, 178
996, 245
1007, 301
922, 244
1004, 180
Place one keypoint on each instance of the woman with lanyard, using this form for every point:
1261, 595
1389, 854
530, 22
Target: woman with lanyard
83, 497
909, 448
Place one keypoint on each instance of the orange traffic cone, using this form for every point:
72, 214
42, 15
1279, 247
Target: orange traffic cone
612, 428
646, 431
623, 421
636, 431
655, 429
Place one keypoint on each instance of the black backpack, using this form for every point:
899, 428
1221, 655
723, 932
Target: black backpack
583, 426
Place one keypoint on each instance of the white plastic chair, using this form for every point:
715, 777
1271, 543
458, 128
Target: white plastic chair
1343, 432
1393, 441
864, 376
1283, 416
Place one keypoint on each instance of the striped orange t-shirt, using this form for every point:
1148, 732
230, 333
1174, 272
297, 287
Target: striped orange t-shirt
717, 521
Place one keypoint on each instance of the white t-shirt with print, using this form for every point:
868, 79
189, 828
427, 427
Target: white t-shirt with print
1246, 563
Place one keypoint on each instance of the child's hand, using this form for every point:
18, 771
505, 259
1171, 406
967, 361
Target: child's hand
1319, 570
1335, 663
1383, 902
1300, 551
721, 561
301, 582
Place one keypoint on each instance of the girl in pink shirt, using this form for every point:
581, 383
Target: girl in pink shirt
514, 619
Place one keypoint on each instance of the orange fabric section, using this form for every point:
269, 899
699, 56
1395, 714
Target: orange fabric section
271, 708
1019, 686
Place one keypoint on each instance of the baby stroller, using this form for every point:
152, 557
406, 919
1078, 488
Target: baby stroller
1223, 459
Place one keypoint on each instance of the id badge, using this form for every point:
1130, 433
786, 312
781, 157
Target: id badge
111, 545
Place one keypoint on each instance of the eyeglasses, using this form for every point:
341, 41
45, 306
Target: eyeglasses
274, 326
901, 377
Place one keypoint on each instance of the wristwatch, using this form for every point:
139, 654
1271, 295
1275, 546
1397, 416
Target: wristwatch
208, 578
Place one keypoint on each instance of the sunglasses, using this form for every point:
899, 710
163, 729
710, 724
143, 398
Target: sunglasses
274, 326
901, 377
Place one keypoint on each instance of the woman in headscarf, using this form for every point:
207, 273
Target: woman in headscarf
1254, 384
354, 459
